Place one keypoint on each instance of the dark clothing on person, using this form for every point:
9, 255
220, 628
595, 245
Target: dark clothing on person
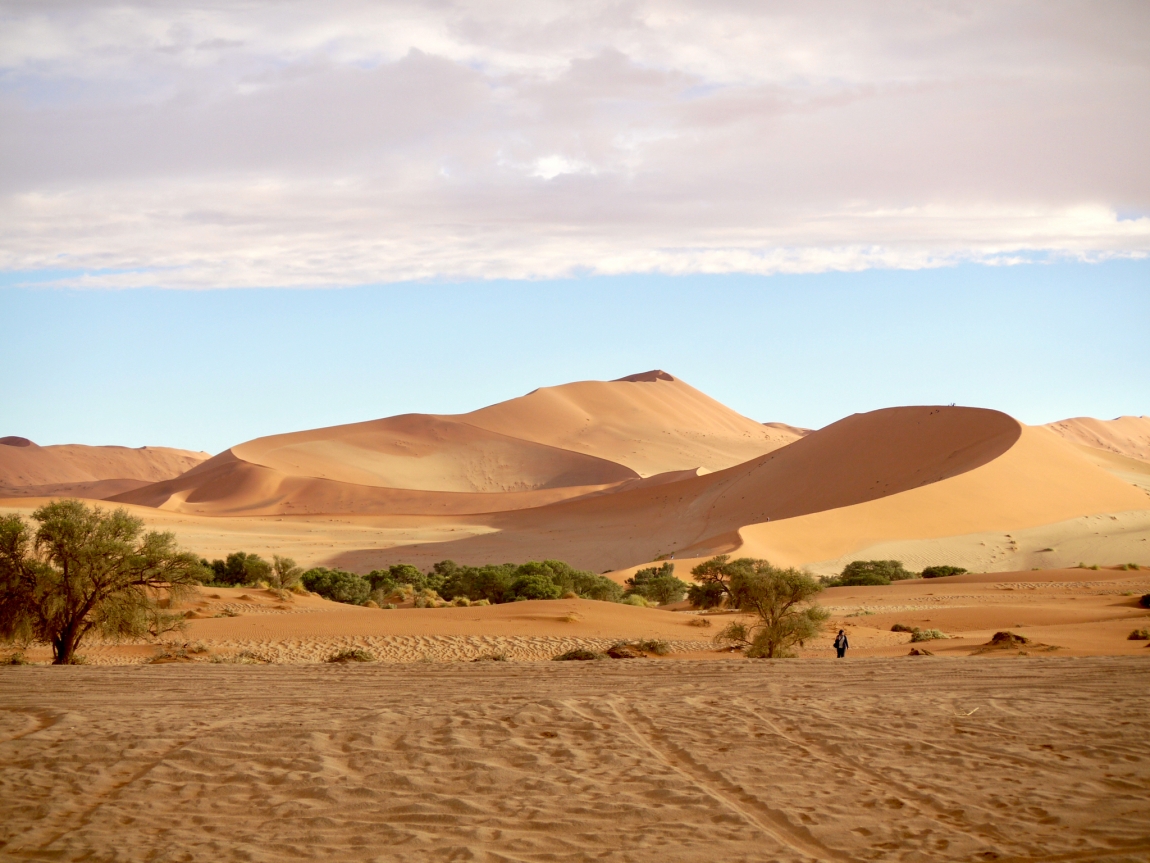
841, 644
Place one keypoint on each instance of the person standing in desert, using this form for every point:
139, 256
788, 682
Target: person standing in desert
841, 644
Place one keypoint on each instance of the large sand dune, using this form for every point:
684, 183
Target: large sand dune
554, 443
1125, 436
610, 475
86, 471
900, 473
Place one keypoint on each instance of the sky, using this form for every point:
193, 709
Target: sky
223, 220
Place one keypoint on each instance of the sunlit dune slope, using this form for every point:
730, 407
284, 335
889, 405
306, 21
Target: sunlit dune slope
899, 473
86, 471
969, 466
651, 422
1125, 436
552, 444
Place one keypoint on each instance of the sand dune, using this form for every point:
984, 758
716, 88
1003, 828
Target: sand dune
1125, 436
900, 473
554, 443
609, 475
86, 471
651, 423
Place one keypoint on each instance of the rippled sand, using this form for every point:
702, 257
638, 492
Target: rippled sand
873, 759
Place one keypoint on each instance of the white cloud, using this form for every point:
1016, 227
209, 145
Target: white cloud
332, 143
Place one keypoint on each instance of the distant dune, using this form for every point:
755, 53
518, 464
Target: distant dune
899, 473
1127, 436
554, 443
86, 471
609, 475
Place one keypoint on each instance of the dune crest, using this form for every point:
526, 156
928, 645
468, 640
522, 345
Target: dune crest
551, 444
1127, 436
86, 471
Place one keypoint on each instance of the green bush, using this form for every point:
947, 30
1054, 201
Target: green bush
16, 658
900, 627
239, 570
942, 571
927, 635
636, 600
709, 595
578, 654
780, 599
655, 646
337, 585
1139, 635
657, 584
351, 655
861, 573
535, 585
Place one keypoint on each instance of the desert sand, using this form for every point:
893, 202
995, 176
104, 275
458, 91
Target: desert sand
1071, 612
233, 739
1020, 759
86, 471
609, 475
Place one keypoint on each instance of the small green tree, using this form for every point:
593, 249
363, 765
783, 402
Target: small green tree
860, 573
284, 573
85, 570
780, 600
713, 579
337, 585
942, 571
658, 584
240, 568
535, 585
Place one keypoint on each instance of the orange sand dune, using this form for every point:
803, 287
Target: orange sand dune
651, 422
894, 473
552, 444
1126, 436
84, 471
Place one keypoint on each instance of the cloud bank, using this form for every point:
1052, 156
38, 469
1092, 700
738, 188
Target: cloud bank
333, 143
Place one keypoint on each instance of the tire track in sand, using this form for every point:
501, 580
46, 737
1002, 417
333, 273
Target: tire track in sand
715, 785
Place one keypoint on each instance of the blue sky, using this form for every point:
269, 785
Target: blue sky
219, 221
208, 369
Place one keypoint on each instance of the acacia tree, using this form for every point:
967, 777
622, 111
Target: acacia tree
713, 580
285, 574
87, 570
780, 600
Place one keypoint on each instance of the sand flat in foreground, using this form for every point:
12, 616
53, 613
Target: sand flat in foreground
1039, 758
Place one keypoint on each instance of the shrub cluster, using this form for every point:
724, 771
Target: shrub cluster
860, 573
449, 583
239, 570
657, 584
351, 655
917, 634
942, 571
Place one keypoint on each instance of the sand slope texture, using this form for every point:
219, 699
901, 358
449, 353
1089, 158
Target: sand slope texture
554, 443
905, 759
86, 471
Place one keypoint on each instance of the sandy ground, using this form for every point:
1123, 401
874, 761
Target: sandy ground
924, 759
1071, 612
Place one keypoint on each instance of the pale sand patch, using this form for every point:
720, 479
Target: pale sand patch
896, 759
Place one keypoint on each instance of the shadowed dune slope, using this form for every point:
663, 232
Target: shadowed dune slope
1127, 436
228, 485
87, 470
552, 444
880, 456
